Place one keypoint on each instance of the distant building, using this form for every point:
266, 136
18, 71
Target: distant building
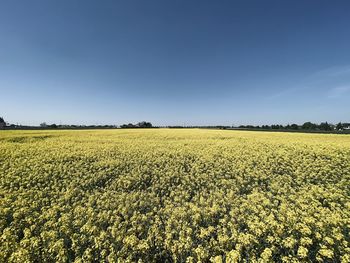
346, 126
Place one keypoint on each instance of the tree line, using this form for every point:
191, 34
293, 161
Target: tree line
307, 126
142, 124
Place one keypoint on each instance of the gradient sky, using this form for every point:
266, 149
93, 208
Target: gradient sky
174, 62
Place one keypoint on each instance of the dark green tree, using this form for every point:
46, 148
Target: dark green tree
144, 124
309, 126
2, 122
294, 126
130, 125
339, 126
324, 126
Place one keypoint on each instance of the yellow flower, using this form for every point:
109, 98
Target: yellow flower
302, 252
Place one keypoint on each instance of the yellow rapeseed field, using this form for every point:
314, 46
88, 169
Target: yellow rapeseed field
167, 195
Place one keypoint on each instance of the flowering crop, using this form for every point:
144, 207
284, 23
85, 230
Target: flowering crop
161, 195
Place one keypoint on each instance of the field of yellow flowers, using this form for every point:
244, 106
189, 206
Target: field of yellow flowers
167, 195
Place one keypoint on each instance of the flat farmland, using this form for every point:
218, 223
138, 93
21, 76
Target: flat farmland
174, 195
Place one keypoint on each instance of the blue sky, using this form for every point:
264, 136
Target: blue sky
174, 62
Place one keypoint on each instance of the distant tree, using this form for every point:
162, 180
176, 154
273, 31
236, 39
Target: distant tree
144, 124
130, 125
339, 126
43, 125
276, 126
309, 126
294, 126
53, 126
2, 122
324, 126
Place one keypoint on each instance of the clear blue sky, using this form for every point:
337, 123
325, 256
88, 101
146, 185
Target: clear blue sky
174, 62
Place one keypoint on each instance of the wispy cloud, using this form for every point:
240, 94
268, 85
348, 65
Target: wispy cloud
283, 93
332, 72
339, 72
337, 76
338, 92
